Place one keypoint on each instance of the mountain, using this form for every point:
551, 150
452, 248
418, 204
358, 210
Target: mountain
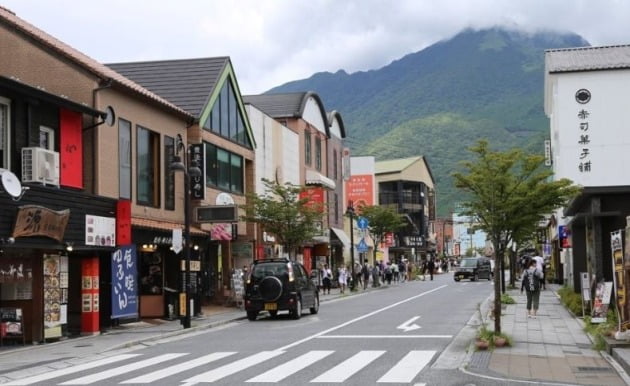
439, 101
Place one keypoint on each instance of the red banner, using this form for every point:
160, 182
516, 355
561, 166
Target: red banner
71, 149
123, 222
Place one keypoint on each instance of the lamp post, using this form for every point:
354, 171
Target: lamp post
178, 165
350, 213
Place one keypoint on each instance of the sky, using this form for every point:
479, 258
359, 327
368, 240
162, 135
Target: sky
271, 42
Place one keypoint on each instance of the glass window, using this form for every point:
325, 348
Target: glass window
335, 174
46, 138
211, 165
4, 132
124, 159
225, 122
307, 147
148, 170
215, 116
223, 163
236, 173
169, 176
318, 153
232, 113
226, 119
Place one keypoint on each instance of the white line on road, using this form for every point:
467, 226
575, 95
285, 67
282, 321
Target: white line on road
349, 367
384, 336
232, 368
154, 376
408, 367
279, 373
359, 318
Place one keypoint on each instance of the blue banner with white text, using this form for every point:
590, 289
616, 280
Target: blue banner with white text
124, 282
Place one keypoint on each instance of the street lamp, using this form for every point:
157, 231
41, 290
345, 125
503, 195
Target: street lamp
178, 165
350, 213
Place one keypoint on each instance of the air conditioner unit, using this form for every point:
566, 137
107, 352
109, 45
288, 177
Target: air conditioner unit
40, 165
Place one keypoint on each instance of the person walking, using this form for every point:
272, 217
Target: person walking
365, 272
326, 278
540, 265
531, 284
342, 278
431, 267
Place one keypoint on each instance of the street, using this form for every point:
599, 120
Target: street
395, 334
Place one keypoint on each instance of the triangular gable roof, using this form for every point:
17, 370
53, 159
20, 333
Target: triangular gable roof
287, 105
192, 84
400, 164
62, 49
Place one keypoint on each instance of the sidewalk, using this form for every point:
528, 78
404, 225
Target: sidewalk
553, 348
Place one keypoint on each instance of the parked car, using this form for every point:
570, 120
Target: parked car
279, 285
474, 268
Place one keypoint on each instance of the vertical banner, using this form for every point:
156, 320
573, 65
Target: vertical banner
616, 241
198, 184
601, 302
71, 148
54, 302
123, 222
90, 309
124, 282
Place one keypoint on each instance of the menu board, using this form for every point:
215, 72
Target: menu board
55, 294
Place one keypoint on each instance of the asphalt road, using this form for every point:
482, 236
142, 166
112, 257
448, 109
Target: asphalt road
412, 333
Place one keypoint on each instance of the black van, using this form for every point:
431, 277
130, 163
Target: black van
474, 268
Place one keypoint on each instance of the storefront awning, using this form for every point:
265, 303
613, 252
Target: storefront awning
342, 236
314, 178
164, 226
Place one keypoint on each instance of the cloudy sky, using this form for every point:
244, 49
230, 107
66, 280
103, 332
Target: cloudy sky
272, 42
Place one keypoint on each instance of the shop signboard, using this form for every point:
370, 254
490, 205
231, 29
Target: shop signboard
35, 220
619, 279
124, 283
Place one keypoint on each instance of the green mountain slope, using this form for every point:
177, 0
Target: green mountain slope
439, 101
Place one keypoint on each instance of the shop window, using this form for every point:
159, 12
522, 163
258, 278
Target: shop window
16, 278
151, 274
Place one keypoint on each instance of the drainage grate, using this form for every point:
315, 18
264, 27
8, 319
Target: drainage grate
594, 369
480, 360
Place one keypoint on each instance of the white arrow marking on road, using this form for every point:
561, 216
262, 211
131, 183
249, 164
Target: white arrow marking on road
407, 326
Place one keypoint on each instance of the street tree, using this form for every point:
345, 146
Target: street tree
508, 193
287, 212
381, 221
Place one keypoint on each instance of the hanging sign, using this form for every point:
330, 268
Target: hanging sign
198, 183
124, 284
35, 220
619, 279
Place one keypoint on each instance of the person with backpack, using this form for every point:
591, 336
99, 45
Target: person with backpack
532, 278
365, 272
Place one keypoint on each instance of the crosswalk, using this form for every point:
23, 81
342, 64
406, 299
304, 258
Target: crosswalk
170, 365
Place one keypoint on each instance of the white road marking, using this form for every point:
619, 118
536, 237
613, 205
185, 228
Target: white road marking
234, 367
122, 369
408, 326
349, 367
407, 368
154, 376
296, 343
279, 373
71, 370
384, 336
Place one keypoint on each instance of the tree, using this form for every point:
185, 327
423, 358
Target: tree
285, 212
381, 220
509, 193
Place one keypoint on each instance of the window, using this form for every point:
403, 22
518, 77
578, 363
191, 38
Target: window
148, 169
5, 105
307, 147
225, 118
124, 159
318, 153
169, 176
224, 169
335, 165
336, 207
46, 138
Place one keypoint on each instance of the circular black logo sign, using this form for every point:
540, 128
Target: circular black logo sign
583, 96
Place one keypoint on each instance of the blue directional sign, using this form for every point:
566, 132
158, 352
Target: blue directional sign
362, 246
362, 223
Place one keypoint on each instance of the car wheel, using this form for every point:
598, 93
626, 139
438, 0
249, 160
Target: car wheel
475, 277
273, 313
297, 312
315, 308
456, 279
251, 315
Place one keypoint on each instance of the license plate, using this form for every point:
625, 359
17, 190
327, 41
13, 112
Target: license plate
271, 306
461, 276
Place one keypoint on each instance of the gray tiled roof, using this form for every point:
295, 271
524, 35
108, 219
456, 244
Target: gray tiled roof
187, 83
588, 58
288, 105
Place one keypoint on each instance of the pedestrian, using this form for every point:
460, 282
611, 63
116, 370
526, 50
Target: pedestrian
531, 284
326, 278
342, 278
376, 273
396, 272
388, 273
540, 265
431, 267
365, 272
402, 268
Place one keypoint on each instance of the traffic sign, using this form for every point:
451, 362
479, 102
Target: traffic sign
362, 246
362, 223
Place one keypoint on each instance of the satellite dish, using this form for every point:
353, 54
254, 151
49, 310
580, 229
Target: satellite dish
10, 183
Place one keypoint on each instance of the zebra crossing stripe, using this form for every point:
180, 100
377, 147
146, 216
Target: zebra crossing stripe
88, 379
232, 368
154, 376
407, 368
349, 367
291, 367
70, 370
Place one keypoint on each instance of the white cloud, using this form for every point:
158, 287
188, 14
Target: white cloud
271, 42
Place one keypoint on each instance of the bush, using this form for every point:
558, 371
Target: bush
572, 300
600, 330
507, 299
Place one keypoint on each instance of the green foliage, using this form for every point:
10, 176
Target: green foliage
281, 212
489, 335
572, 300
600, 330
507, 299
381, 220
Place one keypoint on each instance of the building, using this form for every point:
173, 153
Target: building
586, 103
407, 185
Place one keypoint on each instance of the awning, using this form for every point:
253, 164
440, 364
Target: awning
314, 178
342, 236
164, 226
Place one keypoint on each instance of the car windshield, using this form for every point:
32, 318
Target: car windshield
269, 269
469, 263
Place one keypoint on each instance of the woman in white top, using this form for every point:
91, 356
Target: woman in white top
343, 278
